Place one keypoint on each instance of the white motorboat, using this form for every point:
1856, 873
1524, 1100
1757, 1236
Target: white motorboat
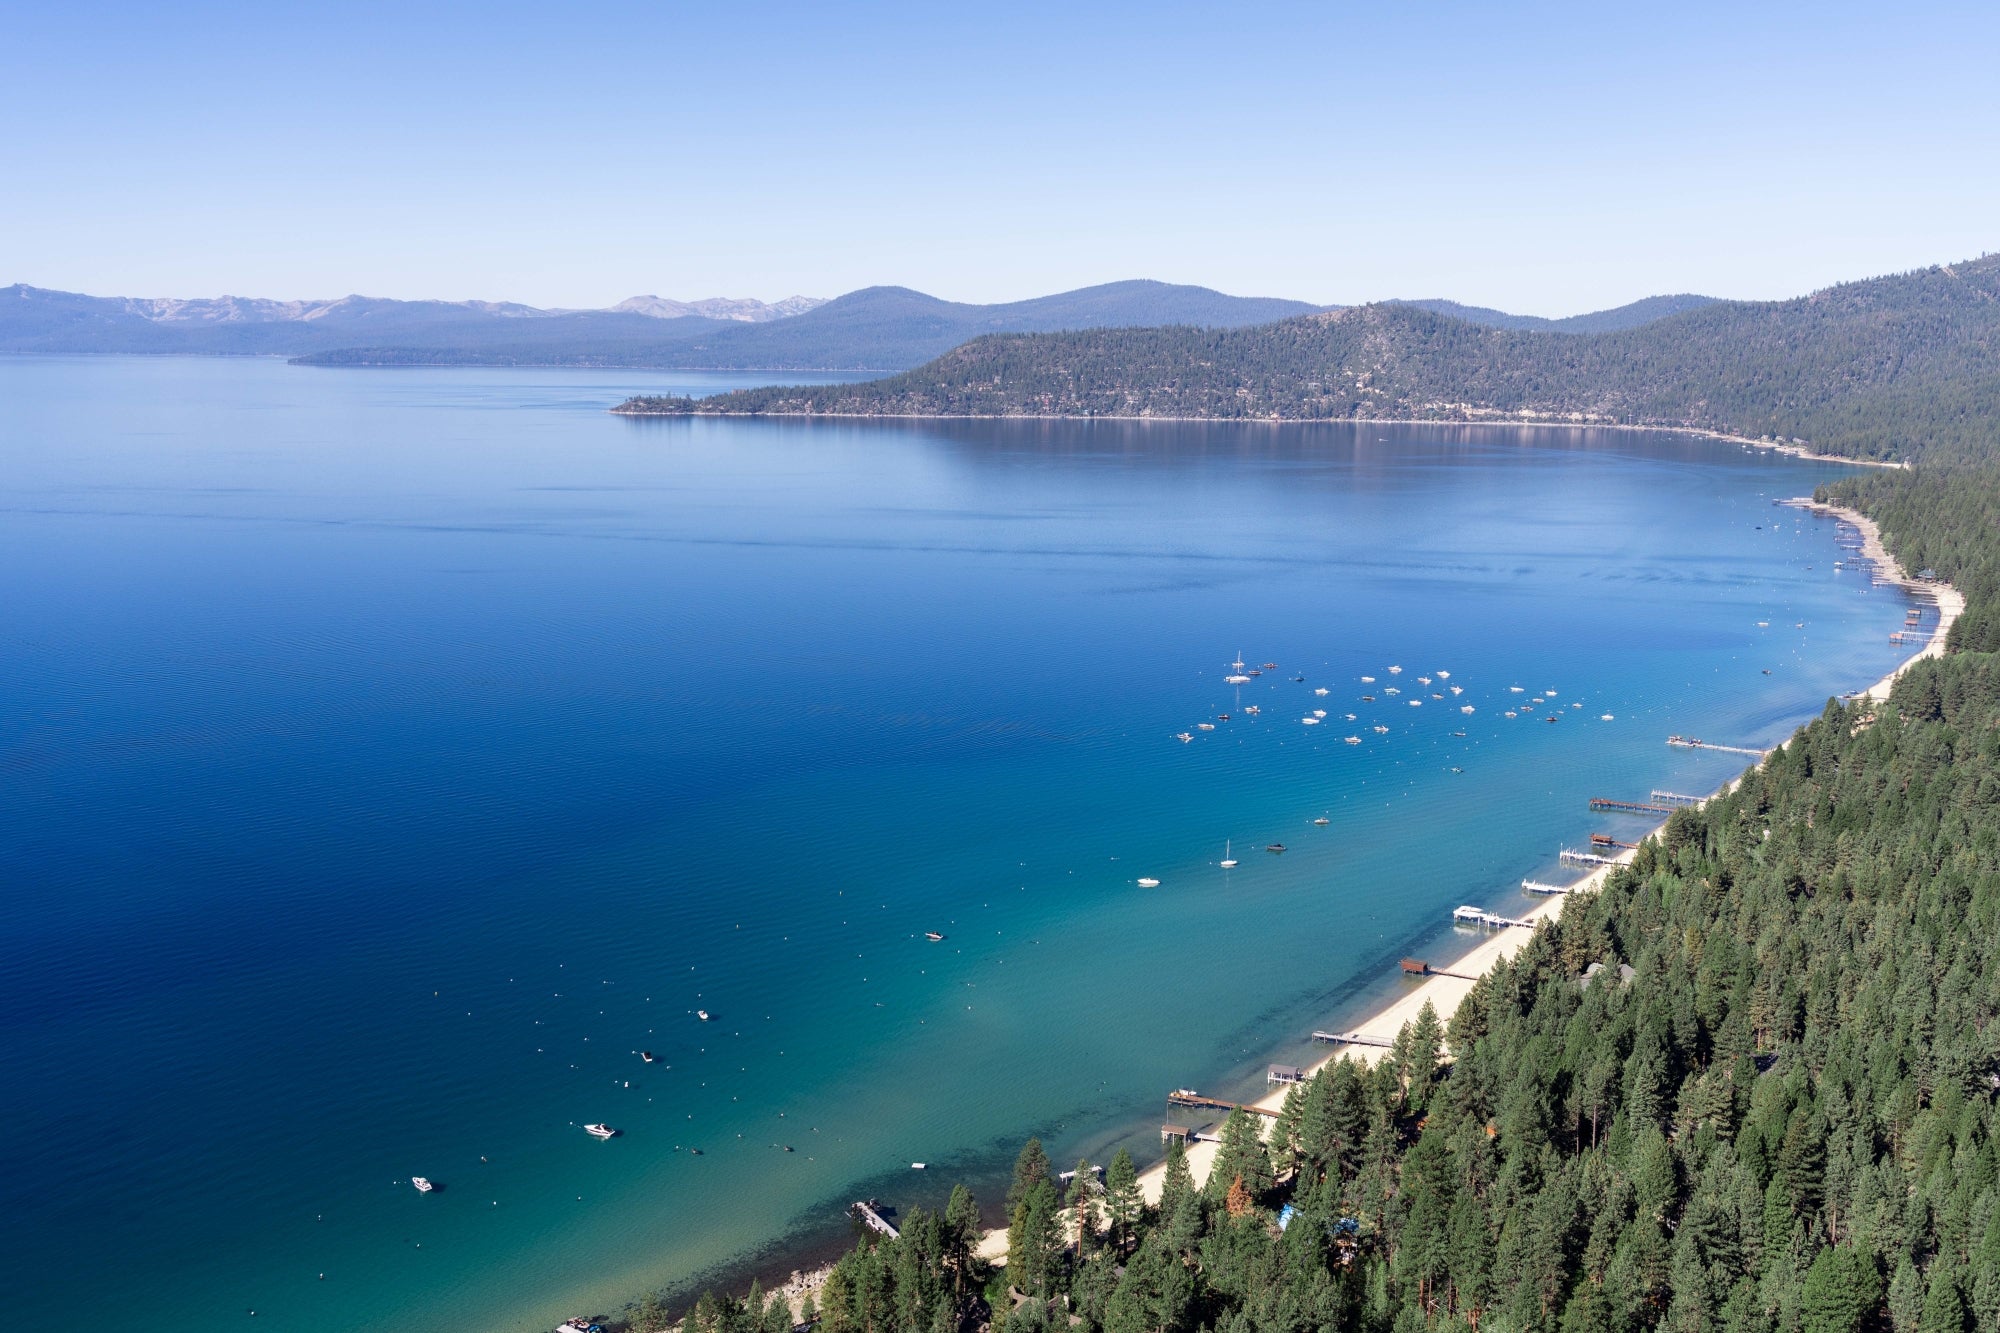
600, 1131
1147, 882
1228, 861
423, 1184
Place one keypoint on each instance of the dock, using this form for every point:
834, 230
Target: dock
1629, 807
1606, 840
1693, 743
1480, 917
1537, 886
1570, 858
865, 1209
1417, 967
1353, 1039
1216, 1104
1676, 798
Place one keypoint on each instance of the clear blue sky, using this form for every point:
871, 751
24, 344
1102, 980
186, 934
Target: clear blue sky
1545, 158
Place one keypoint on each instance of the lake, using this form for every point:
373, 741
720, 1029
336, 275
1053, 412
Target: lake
388, 757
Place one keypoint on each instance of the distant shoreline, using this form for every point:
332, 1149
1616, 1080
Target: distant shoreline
1804, 453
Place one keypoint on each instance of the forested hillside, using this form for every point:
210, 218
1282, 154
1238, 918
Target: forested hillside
1784, 1120
1892, 368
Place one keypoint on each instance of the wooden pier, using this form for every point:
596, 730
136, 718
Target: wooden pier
1606, 840
1676, 798
1570, 858
865, 1210
1478, 917
1215, 1104
1537, 886
1356, 1038
1629, 807
1691, 743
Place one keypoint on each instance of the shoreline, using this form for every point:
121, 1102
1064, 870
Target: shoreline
1802, 452
1950, 601
1446, 993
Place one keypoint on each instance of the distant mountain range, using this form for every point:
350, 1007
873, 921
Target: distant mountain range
1888, 368
878, 328
717, 307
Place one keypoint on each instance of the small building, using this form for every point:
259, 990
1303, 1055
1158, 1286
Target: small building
1170, 1133
1416, 966
1285, 1074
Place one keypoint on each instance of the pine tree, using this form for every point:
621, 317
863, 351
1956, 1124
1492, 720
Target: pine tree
1123, 1202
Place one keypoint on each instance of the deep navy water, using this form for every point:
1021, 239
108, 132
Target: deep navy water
387, 757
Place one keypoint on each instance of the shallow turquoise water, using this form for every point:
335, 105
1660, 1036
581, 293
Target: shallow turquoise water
386, 757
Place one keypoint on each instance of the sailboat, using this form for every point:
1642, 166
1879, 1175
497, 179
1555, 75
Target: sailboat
1228, 861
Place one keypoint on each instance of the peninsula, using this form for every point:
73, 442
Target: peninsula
1886, 369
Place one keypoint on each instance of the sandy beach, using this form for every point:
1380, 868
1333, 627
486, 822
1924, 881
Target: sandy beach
1444, 993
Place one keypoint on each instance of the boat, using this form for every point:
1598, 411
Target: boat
702, 1014
1444, 675
1348, 716
1465, 708
1298, 680
1204, 726
1319, 712
580, 1324
647, 1056
1368, 698
1458, 689
1512, 713
1322, 820
917, 1166
1253, 709
1236, 680
1551, 718
934, 936
1184, 1092
1313, 721
423, 1184
1222, 717
1253, 671
1416, 703
1395, 671
1148, 883
1238, 663
1368, 680
1320, 691
600, 1131
1604, 717
1275, 847
1459, 734
1391, 690
1184, 736
1354, 740
1381, 731
1436, 695
1228, 861
1515, 689
1423, 680
1270, 666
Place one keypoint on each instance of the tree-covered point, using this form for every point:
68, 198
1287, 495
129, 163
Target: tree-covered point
1783, 1122
1890, 368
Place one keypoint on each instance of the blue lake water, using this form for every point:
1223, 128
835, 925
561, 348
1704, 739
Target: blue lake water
387, 757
